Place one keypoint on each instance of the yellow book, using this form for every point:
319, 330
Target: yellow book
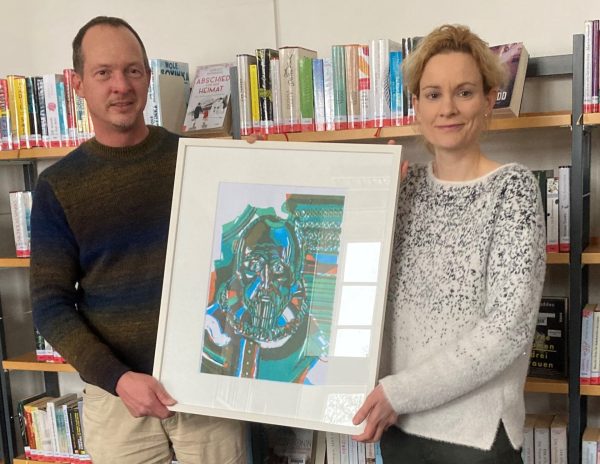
254, 97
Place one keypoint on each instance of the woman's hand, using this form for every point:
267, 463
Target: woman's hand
379, 414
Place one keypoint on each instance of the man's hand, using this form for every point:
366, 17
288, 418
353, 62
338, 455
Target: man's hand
143, 395
379, 414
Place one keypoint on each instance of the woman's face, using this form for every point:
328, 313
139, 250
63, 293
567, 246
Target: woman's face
452, 106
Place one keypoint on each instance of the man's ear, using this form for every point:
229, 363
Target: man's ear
78, 85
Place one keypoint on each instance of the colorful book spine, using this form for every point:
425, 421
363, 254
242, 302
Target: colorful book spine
18, 107
352, 89
254, 99
587, 66
307, 107
364, 86
319, 94
595, 62
5, 122
396, 83
53, 117
338, 59
41, 98
595, 369
245, 98
69, 107
265, 88
408, 45
379, 55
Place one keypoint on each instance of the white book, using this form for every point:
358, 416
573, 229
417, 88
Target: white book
595, 371
244, 95
589, 446
329, 94
333, 448
319, 94
558, 440
587, 65
364, 86
587, 336
20, 210
379, 68
52, 104
344, 448
276, 94
528, 449
564, 203
362, 457
541, 436
552, 214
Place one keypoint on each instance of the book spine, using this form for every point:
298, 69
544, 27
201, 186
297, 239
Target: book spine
407, 46
319, 94
52, 115
595, 369
70, 107
541, 436
552, 215
587, 331
558, 442
396, 98
15, 114
290, 88
35, 124
20, 208
333, 448
527, 450
587, 66
329, 94
595, 70
41, 99
5, 122
254, 99
564, 240
265, 88
364, 86
307, 106
276, 93
338, 58
370, 453
245, 98
352, 95
62, 111
344, 449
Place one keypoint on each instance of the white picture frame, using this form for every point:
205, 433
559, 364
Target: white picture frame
309, 328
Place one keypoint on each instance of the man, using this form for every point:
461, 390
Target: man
99, 232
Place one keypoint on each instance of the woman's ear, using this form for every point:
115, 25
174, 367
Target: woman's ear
491, 99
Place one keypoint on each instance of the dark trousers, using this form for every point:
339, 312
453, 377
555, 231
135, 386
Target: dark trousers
398, 447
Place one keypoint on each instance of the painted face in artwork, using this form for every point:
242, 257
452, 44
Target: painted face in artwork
267, 283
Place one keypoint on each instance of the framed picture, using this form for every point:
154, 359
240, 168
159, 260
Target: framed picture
275, 280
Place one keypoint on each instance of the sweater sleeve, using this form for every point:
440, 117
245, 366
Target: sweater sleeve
514, 280
54, 274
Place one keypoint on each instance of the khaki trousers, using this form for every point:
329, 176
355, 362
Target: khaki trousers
113, 436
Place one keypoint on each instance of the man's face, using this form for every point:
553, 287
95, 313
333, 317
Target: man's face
114, 83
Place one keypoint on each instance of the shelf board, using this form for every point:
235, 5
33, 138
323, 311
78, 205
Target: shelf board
40, 153
9, 155
590, 390
28, 362
24, 460
537, 385
525, 121
557, 258
591, 255
592, 119
14, 262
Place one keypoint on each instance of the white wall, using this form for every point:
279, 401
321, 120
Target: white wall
37, 37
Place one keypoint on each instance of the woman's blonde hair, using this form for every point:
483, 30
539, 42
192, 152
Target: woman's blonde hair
453, 38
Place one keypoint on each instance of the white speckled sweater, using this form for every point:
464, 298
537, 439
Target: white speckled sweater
465, 287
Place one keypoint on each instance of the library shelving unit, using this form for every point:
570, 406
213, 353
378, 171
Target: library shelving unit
584, 251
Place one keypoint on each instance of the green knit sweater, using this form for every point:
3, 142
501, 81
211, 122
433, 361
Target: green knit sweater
99, 228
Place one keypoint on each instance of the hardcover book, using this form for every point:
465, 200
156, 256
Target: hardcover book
515, 57
244, 94
209, 113
549, 351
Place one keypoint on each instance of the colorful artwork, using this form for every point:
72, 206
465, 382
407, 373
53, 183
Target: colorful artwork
273, 283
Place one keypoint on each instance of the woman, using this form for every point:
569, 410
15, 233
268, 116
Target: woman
466, 279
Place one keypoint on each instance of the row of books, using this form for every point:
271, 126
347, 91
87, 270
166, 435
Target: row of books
545, 439
44, 352
590, 446
591, 66
358, 86
556, 202
343, 449
42, 111
548, 357
52, 428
